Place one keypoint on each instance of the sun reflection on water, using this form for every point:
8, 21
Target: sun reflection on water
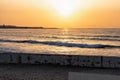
65, 35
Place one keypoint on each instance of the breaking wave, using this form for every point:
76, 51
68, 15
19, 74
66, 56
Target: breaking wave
61, 44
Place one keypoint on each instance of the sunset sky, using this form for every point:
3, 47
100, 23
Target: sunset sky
61, 13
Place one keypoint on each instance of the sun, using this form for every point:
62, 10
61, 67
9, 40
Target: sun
64, 7
64, 10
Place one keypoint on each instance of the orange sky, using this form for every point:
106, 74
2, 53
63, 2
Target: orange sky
61, 13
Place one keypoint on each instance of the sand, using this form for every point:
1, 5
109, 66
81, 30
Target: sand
46, 72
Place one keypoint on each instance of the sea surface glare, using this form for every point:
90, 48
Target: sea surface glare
61, 41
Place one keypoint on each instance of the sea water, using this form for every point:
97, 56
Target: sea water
102, 42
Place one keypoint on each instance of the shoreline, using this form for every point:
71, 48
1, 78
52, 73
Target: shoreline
26, 66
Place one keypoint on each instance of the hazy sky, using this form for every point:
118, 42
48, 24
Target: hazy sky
61, 13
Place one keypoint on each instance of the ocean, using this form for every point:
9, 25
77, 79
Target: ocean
83, 41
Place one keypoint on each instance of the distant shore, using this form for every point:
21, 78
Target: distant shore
21, 27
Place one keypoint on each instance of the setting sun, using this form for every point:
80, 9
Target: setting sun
59, 39
64, 7
61, 13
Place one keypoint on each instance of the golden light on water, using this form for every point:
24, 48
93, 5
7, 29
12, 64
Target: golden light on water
65, 36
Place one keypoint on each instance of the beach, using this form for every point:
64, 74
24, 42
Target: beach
90, 42
59, 39
31, 72
46, 72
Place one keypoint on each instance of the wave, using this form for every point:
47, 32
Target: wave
85, 38
79, 45
104, 36
61, 44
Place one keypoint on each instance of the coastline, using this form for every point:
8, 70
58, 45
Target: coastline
22, 27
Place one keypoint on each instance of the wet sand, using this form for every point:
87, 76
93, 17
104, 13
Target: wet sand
46, 72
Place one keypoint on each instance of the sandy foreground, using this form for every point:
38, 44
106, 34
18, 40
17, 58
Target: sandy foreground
46, 72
